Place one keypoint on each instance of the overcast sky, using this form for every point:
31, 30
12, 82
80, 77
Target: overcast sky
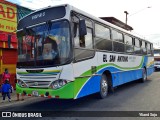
143, 14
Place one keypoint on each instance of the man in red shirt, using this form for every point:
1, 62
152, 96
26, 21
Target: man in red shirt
5, 75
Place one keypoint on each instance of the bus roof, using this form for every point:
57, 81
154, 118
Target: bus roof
72, 8
105, 22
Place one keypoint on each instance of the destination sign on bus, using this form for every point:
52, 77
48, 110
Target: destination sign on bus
42, 16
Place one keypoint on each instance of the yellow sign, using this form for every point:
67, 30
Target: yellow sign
8, 17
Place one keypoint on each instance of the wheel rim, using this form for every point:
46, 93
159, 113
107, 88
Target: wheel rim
104, 87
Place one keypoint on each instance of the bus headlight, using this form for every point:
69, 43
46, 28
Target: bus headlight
21, 83
58, 84
62, 82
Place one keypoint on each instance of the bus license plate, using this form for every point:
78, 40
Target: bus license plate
34, 93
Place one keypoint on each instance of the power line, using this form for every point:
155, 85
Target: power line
139, 11
153, 35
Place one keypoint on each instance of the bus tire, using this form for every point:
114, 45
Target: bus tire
144, 75
103, 87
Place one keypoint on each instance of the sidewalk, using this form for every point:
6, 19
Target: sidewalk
13, 100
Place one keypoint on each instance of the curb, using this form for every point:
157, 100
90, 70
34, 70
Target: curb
13, 100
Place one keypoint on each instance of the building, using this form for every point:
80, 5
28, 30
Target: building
117, 22
9, 15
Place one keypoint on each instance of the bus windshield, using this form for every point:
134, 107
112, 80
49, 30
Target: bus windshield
44, 45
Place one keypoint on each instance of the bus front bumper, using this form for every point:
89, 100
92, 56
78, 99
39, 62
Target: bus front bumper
66, 92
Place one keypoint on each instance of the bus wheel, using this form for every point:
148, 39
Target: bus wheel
103, 87
144, 75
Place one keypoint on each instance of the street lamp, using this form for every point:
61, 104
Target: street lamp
126, 15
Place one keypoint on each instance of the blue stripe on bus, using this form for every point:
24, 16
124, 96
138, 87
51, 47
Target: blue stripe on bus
91, 86
119, 78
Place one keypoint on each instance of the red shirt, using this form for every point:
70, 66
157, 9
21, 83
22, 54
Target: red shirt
5, 76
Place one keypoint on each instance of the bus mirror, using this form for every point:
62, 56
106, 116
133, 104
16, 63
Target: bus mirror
82, 28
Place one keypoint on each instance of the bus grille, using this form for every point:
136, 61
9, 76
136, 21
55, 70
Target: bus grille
35, 84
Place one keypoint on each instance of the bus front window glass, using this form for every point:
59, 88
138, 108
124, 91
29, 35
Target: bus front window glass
25, 47
45, 44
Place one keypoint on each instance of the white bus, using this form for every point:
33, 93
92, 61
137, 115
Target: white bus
66, 53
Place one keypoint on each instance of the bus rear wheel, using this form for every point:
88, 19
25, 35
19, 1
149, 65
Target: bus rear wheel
144, 75
103, 87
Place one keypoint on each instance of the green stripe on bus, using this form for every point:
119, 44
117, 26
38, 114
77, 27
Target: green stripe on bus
114, 65
78, 84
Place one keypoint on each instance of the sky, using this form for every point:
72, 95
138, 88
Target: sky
143, 14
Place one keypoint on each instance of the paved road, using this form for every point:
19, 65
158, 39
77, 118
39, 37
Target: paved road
133, 96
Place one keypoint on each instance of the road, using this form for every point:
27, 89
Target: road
134, 96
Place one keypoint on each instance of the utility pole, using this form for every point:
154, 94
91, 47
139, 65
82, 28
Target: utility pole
126, 15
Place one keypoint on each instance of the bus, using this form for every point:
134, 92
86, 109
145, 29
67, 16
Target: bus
157, 58
66, 53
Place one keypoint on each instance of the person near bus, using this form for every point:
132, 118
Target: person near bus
5, 76
50, 48
18, 95
6, 89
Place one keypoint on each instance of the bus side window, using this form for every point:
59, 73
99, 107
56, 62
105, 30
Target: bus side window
152, 50
129, 43
81, 42
118, 41
144, 48
103, 37
137, 49
84, 41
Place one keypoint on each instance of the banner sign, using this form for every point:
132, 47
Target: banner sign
8, 17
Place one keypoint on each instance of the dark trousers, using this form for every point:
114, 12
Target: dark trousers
8, 95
